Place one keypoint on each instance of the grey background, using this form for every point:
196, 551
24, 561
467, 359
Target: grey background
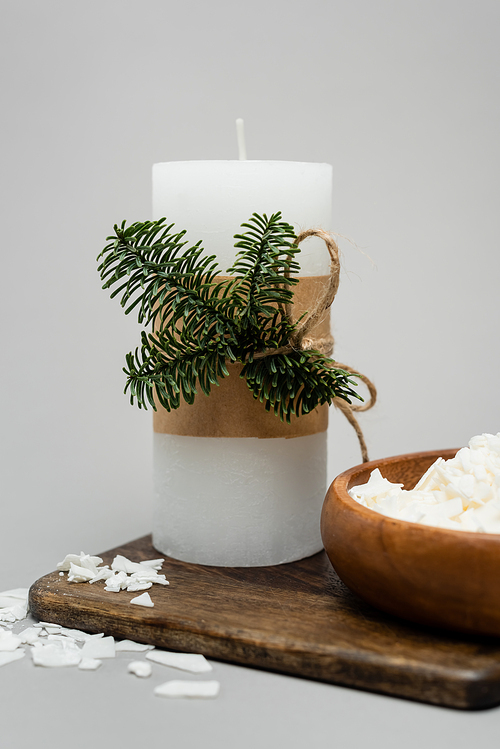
402, 98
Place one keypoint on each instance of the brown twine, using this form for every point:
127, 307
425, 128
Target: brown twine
299, 341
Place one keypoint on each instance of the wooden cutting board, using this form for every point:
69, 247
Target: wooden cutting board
296, 619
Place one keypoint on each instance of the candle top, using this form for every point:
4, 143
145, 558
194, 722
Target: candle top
211, 199
243, 161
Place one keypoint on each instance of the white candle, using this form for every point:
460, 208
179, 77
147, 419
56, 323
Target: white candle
241, 501
211, 199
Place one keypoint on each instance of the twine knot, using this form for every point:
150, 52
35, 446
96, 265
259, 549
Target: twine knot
301, 341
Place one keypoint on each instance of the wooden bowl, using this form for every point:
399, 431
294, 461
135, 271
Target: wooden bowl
431, 576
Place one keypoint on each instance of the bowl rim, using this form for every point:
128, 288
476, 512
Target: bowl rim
338, 489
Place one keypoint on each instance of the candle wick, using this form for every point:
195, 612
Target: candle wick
240, 134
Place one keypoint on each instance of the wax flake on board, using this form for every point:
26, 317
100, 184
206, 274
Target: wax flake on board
135, 587
79, 574
103, 573
123, 575
81, 560
118, 581
54, 646
122, 564
143, 600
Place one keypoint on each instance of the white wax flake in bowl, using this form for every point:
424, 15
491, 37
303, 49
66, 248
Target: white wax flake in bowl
462, 493
193, 662
191, 689
140, 668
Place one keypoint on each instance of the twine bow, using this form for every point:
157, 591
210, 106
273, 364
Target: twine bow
300, 341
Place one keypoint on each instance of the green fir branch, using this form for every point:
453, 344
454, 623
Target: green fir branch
201, 322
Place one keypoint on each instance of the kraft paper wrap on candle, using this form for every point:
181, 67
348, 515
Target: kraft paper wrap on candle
231, 410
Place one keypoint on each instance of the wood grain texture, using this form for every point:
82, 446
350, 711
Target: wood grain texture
431, 576
297, 619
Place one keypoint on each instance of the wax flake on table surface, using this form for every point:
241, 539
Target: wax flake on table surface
59, 649
10, 597
9, 641
131, 646
462, 493
103, 647
188, 689
89, 664
143, 600
140, 669
16, 655
29, 635
56, 654
53, 630
13, 605
78, 635
193, 662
